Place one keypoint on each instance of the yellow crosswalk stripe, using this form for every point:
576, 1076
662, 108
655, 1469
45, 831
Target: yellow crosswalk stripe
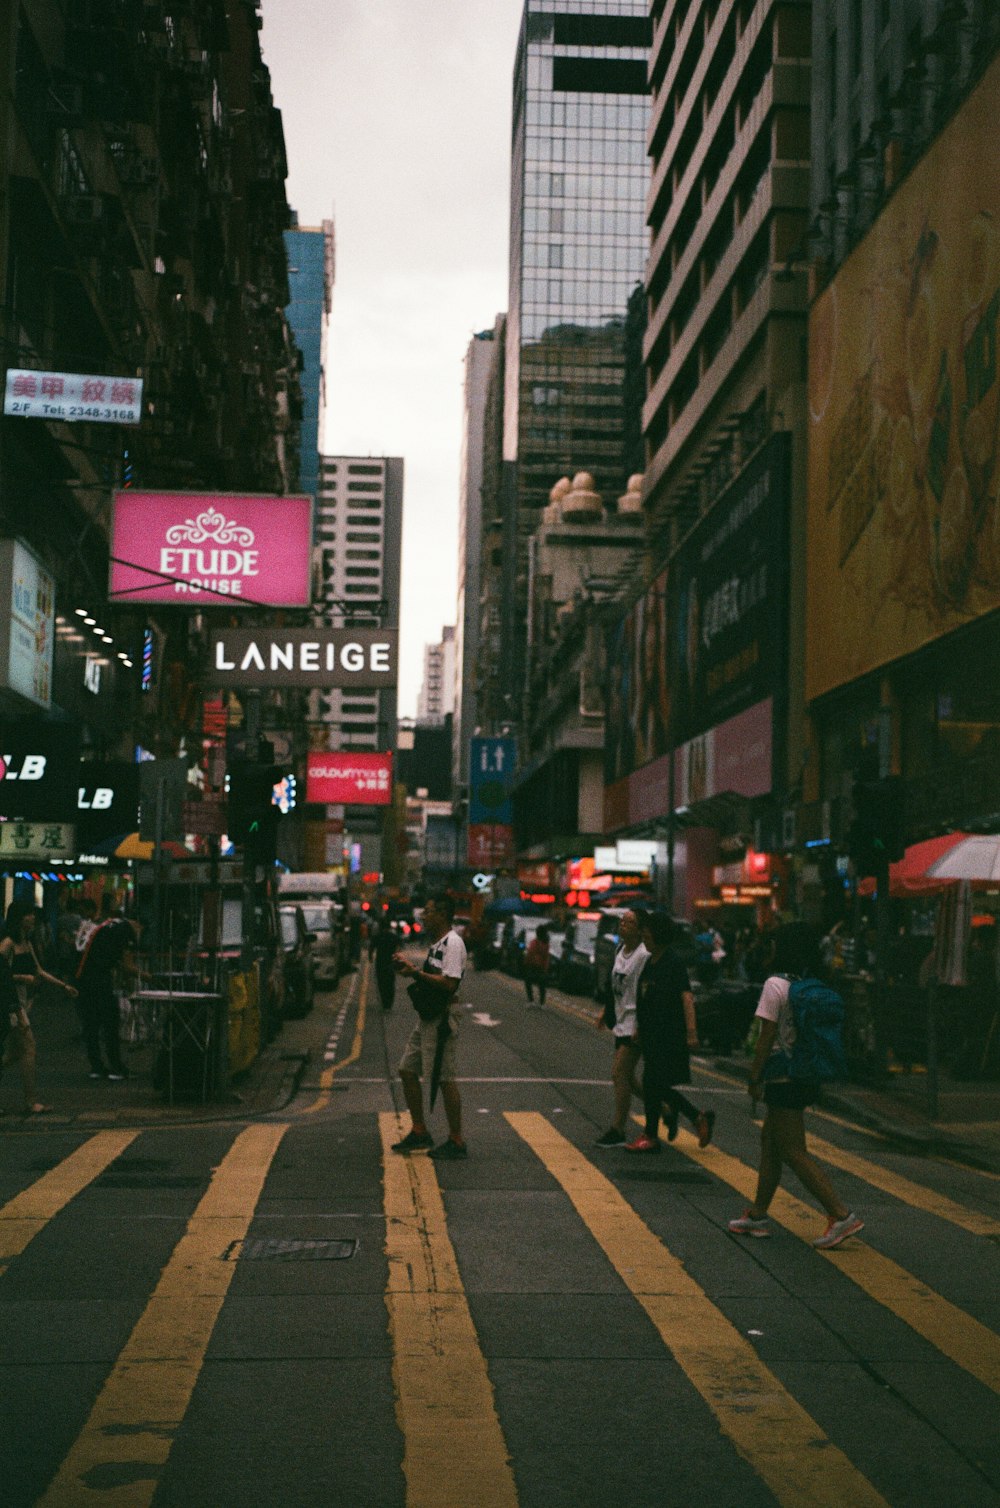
138, 1412
768, 1427
455, 1454
948, 1328
22, 1217
901, 1187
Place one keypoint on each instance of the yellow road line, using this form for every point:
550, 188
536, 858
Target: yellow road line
455, 1454
27, 1213
140, 1408
948, 1328
901, 1187
769, 1428
827, 1115
327, 1076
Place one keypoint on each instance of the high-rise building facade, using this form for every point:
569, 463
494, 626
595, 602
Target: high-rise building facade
577, 249
311, 269
436, 698
478, 366
356, 579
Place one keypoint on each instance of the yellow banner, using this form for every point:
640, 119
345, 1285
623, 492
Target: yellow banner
904, 469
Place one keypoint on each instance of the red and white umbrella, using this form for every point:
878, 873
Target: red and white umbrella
975, 857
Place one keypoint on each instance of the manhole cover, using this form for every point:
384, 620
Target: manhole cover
274, 1250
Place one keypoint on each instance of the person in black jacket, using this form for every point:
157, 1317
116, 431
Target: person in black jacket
382, 949
97, 974
667, 1031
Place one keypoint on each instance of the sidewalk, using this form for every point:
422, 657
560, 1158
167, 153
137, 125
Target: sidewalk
966, 1128
76, 1100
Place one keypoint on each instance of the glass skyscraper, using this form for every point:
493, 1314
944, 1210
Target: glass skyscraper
578, 246
310, 281
578, 236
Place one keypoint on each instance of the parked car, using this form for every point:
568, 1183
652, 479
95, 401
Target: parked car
297, 956
577, 972
518, 932
328, 940
557, 945
489, 949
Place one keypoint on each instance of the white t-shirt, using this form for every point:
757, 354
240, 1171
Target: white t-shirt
447, 956
625, 973
774, 1005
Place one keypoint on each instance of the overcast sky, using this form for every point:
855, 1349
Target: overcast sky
397, 123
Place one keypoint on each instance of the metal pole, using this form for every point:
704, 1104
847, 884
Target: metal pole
158, 868
251, 706
671, 832
932, 1051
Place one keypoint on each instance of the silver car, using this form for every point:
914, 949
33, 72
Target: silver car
322, 922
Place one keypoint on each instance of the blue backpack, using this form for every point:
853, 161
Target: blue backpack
818, 1014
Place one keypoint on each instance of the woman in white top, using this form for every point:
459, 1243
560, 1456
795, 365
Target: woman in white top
783, 1138
628, 965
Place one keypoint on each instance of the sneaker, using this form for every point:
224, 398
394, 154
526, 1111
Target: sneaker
450, 1151
750, 1225
642, 1144
98, 1073
117, 1078
838, 1231
414, 1141
706, 1123
611, 1138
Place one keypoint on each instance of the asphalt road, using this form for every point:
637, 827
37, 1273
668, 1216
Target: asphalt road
282, 1311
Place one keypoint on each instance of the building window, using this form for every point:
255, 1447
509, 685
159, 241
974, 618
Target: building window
357, 470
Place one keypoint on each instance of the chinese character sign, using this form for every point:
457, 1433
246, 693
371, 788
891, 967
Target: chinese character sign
350, 777
73, 397
27, 629
37, 840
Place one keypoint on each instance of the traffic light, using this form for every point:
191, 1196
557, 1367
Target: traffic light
252, 815
876, 837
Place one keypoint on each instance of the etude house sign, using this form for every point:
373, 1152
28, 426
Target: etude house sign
211, 549
358, 657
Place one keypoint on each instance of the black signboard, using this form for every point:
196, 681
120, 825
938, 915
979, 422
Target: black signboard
40, 762
728, 599
107, 802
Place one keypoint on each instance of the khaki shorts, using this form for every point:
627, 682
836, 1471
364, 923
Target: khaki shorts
418, 1057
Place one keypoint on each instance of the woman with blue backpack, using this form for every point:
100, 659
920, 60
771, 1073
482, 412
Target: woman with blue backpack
799, 1047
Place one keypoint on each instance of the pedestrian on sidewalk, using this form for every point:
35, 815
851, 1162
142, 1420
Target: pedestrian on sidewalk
667, 1032
783, 1137
105, 954
430, 1052
536, 965
18, 953
382, 948
620, 1015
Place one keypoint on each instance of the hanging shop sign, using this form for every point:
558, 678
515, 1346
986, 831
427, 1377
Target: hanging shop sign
37, 840
492, 763
728, 599
352, 777
73, 397
211, 548
357, 657
491, 845
27, 624
39, 765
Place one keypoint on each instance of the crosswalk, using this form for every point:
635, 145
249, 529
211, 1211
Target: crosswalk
447, 1413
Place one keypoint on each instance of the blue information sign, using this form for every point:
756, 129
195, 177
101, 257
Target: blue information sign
492, 762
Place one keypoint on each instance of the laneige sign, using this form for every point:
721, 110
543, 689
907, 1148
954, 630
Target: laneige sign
359, 657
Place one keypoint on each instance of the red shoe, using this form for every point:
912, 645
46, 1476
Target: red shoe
642, 1144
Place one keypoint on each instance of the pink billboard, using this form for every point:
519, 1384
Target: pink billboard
350, 778
211, 548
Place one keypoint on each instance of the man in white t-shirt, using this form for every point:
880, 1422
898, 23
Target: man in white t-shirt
430, 1052
628, 965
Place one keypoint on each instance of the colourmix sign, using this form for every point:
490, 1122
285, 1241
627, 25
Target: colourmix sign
351, 778
211, 548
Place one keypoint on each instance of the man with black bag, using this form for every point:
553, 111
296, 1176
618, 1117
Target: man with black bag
431, 1048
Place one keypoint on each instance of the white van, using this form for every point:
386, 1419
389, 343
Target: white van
323, 899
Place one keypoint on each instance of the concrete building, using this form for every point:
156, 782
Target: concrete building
436, 697
577, 248
903, 393
724, 419
356, 576
479, 360
311, 271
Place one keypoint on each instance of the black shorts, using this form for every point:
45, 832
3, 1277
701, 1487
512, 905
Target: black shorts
791, 1094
